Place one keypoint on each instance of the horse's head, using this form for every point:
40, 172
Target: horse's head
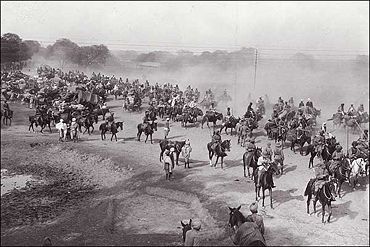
185, 228
235, 217
226, 144
273, 168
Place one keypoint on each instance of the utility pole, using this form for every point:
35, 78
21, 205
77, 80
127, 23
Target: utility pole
255, 70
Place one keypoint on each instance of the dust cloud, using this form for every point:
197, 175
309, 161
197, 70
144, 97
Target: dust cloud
327, 82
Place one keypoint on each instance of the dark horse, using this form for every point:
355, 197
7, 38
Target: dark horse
253, 236
113, 128
88, 122
167, 145
324, 154
341, 172
185, 228
43, 121
211, 117
230, 124
266, 181
250, 160
148, 129
220, 151
7, 115
305, 138
324, 195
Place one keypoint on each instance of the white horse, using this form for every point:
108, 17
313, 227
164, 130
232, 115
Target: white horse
358, 167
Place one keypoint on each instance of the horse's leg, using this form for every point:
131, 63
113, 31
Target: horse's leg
330, 211
216, 160
270, 194
323, 212
308, 203
256, 190
263, 197
222, 162
151, 138
49, 128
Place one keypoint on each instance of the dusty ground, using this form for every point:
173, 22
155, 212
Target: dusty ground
115, 193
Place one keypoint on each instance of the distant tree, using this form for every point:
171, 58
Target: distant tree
94, 55
13, 49
63, 50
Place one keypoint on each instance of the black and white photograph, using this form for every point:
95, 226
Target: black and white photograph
184, 123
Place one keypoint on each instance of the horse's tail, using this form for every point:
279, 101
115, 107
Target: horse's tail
308, 188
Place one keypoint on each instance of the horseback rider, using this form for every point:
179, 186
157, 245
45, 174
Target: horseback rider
337, 157
361, 109
319, 141
354, 152
300, 131
262, 166
309, 103
351, 111
216, 139
268, 150
228, 114
291, 102
321, 177
301, 104
256, 218
279, 155
341, 109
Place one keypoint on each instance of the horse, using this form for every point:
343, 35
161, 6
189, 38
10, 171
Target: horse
211, 117
42, 120
220, 151
7, 115
324, 154
88, 122
325, 195
304, 139
185, 228
268, 128
265, 182
341, 172
252, 236
230, 124
104, 128
356, 168
167, 145
148, 130
251, 160
101, 112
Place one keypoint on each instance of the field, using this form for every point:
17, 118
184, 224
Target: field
114, 193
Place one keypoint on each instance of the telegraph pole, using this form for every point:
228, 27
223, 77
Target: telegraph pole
255, 70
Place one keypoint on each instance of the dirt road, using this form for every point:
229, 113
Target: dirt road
132, 203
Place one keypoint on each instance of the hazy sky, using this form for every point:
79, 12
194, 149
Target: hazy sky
342, 26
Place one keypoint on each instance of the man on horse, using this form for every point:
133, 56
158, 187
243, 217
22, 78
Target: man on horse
269, 152
361, 110
341, 109
256, 218
301, 104
262, 166
337, 157
351, 111
309, 103
321, 177
354, 152
228, 114
319, 141
279, 155
216, 139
